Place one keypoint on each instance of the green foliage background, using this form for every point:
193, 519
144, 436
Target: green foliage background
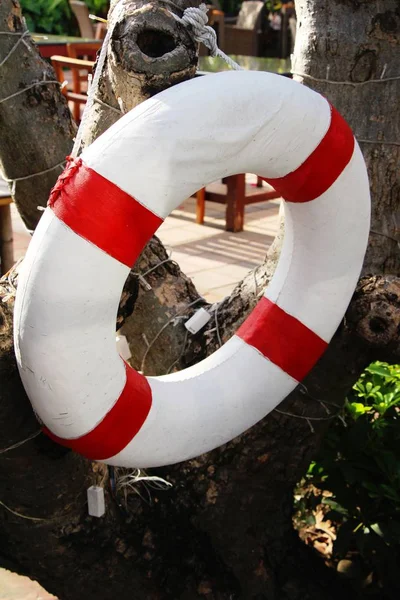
55, 16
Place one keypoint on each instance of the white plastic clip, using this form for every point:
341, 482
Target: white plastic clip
197, 322
96, 503
123, 347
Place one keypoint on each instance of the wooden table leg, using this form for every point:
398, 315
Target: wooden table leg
235, 202
6, 239
200, 206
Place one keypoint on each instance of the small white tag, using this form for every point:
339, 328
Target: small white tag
96, 503
199, 319
123, 347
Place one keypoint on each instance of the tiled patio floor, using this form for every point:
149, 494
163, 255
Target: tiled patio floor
215, 259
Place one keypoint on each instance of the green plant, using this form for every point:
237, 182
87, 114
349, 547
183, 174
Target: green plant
98, 7
44, 16
359, 464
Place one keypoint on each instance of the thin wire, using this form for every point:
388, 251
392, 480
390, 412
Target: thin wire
21, 37
18, 444
389, 237
304, 390
45, 82
281, 412
61, 164
96, 18
181, 352
352, 83
217, 324
156, 267
17, 514
171, 3
117, 110
178, 314
378, 142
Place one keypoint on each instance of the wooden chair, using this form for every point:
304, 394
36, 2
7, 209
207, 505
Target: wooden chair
6, 232
236, 196
86, 26
84, 51
81, 13
69, 72
245, 36
217, 20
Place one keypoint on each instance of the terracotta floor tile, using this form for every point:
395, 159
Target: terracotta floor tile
18, 587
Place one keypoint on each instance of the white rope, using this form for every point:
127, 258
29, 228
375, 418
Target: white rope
196, 20
95, 83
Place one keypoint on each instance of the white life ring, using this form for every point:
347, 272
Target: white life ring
105, 207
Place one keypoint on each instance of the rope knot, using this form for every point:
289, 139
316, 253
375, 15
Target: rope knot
197, 19
73, 165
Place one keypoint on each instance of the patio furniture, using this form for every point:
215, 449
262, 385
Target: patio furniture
50, 45
84, 50
74, 89
236, 195
288, 29
86, 26
217, 20
6, 232
245, 36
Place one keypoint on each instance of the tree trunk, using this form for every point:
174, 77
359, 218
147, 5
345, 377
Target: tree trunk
224, 530
349, 52
36, 128
149, 51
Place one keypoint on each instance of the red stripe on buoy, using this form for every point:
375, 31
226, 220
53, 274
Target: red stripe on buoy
321, 169
282, 339
119, 426
102, 213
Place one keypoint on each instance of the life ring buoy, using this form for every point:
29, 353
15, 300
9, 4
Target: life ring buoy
109, 202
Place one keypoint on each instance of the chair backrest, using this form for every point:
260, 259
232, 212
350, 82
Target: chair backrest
69, 73
250, 15
81, 13
85, 50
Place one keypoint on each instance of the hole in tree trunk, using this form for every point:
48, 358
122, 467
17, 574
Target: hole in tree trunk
155, 43
378, 325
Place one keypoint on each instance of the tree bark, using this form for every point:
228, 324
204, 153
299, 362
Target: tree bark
349, 52
36, 127
148, 52
224, 530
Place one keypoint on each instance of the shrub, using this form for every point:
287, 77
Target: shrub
48, 16
359, 464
